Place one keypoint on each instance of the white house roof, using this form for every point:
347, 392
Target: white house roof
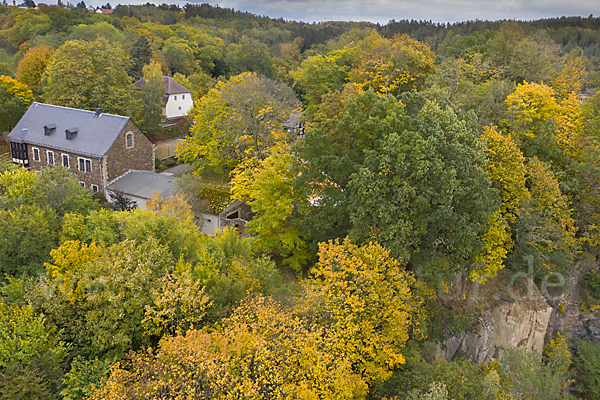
94, 133
170, 85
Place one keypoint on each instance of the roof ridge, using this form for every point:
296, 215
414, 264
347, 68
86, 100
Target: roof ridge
36, 103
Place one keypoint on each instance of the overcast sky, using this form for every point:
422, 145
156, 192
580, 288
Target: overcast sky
383, 11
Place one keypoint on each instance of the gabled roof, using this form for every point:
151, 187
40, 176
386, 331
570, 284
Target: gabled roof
95, 134
143, 184
170, 85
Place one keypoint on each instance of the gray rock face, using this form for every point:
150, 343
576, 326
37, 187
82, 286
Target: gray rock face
505, 325
568, 315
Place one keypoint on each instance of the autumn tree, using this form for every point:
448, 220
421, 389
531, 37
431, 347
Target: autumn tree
367, 299
33, 65
506, 168
391, 66
570, 79
238, 120
545, 229
321, 74
262, 350
268, 187
15, 98
89, 75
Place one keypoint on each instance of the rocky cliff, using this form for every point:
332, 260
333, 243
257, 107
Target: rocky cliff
506, 324
524, 321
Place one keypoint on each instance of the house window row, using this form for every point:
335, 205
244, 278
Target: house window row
85, 165
182, 97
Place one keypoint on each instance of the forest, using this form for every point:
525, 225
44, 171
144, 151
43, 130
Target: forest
434, 161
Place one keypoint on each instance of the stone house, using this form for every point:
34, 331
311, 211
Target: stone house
177, 100
96, 147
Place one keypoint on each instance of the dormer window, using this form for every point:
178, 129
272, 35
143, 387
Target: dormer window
49, 129
71, 133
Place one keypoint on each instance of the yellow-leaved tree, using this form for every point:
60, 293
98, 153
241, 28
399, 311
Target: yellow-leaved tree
506, 169
268, 187
392, 66
33, 65
239, 120
369, 301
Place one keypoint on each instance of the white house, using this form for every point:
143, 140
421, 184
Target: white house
177, 100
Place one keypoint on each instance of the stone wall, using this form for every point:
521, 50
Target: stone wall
120, 159
88, 178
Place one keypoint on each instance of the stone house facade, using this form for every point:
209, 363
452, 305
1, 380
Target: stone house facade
96, 147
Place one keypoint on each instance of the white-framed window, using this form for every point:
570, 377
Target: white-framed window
50, 157
65, 160
94, 188
36, 154
175, 97
179, 108
183, 97
82, 184
129, 140
85, 165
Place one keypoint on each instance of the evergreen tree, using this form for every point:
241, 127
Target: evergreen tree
140, 55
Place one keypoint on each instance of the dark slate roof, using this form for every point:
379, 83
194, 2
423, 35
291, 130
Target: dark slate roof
143, 184
95, 134
170, 85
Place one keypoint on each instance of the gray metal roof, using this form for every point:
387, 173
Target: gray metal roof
95, 134
143, 184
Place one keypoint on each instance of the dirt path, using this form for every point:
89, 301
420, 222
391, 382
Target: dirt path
178, 169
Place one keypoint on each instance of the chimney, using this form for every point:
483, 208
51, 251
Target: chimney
98, 112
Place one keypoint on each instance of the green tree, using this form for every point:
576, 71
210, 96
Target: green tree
151, 101
250, 56
587, 363
90, 75
322, 74
179, 57
140, 55
31, 354
405, 176
15, 98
